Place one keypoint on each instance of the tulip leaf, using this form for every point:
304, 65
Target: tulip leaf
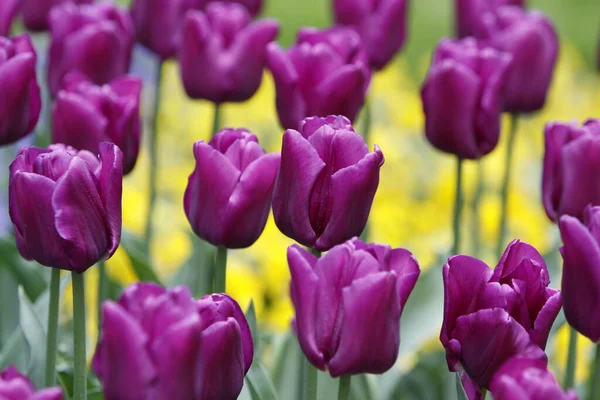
261, 387
34, 333
460, 390
9, 306
15, 350
362, 387
288, 365
134, 247
26, 273
197, 272
251, 318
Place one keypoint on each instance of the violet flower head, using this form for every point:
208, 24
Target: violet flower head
16, 386
326, 184
8, 10
65, 205
163, 344
228, 197
20, 99
348, 305
223, 53
36, 12
472, 16
96, 40
85, 115
462, 97
324, 73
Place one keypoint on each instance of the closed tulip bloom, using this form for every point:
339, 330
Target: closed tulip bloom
348, 305
96, 40
223, 53
163, 344
66, 205
571, 167
462, 97
8, 10
325, 72
472, 18
228, 196
85, 115
35, 12
326, 184
16, 386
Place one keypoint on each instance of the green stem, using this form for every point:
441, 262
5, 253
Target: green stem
458, 203
311, 379
344, 390
102, 291
506, 183
366, 130
220, 273
51, 339
216, 120
595, 377
80, 364
476, 226
569, 381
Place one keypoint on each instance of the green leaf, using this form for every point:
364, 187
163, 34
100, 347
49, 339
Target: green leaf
197, 272
28, 274
251, 318
134, 247
287, 369
362, 387
33, 329
261, 387
15, 351
9, 306
460, 390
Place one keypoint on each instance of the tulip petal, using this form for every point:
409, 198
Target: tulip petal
111, 190
48, 394
135, 296
386, 33
510, 262
406, 268
545, 318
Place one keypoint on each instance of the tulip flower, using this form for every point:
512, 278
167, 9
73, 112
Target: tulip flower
20, 100
228, 196
163, 344
35, 12
493, 315
462, 97
66, 205
84, 115
326, 184
8, 10
571, 168
15, 386
381, 25
472, 15
348, 305
223, 54
96, 40
325, 72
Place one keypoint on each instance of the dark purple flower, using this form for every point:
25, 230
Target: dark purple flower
325, 72
8, 10
326, 184
66, 205
348, 305
462, 97
84, 115
163, 344
472, 18
15, 386
36, 12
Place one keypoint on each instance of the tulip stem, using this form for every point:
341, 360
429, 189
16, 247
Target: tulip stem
220, 274
216, 120
344, 390
51, 339
594, 384
476, 228
80, 364
571, 360
311, 379
366, 130
457, 207
102, 289
506, 182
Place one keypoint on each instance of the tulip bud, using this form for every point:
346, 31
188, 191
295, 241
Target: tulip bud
15, 386
326, 184
84, 115
223, 54
66, 205
20, 99
35, 12
462, 97
348, 305
571, 167
162, 344
472, 17
381, 25
228, 196
8, 10
96, 40
325, 72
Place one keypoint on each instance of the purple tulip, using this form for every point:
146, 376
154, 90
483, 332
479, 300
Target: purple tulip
325, 72
15, 386
163, 344
381, 24
96, 40
526, 379
472, 17
66, 205
348, 305
493, 315
8, 10
571, 167
20, 99
462, 97
228, 196
35, 12
223, 54
84, 115
326, 184
581, 271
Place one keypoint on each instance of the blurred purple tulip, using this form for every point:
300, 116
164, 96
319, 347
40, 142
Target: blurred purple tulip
15, 386
326, 184
84, 115
348, 305
223, 53
462, 97
66, 205
96, 40
325, 72
163, 344
472, 18
228, 196
571, 168
8, 10
36, 12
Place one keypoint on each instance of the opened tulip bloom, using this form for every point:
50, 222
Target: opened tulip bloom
472, 16
8, 10
163, 344
348, 305
36, 12
16, 386
66, 205
325, 72
84, 115
326, 184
